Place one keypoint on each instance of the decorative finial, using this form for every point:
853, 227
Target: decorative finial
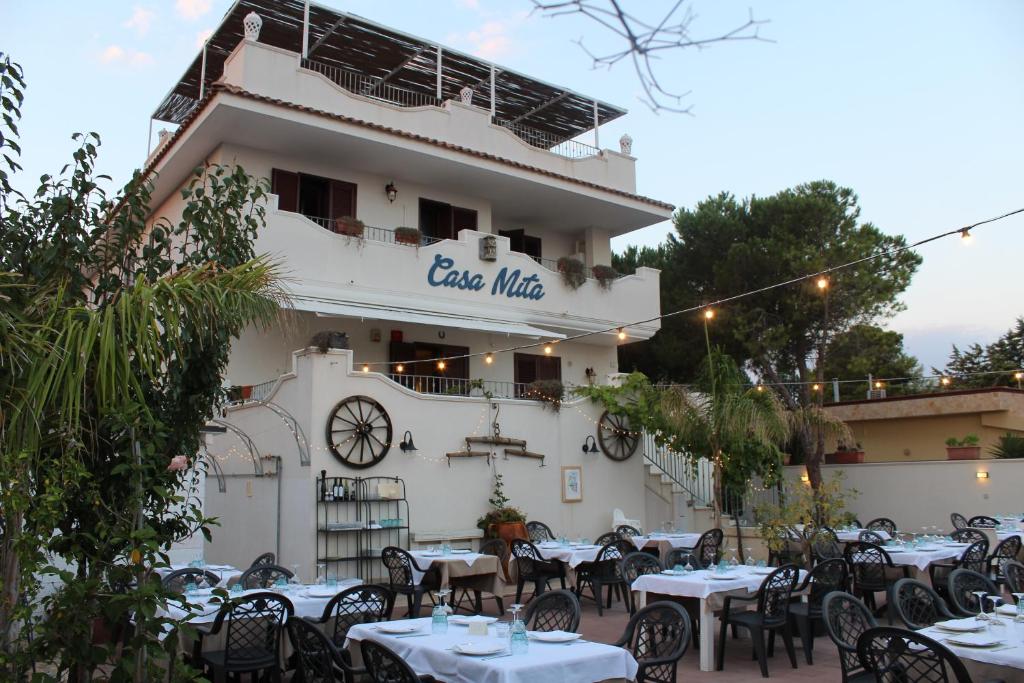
252, 25
626, 144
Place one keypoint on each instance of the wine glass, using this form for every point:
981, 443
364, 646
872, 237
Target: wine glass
1019, 597
980, 596
995, 600
750, 558
295, 582
321, 573
733, 562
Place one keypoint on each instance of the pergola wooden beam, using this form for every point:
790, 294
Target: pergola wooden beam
394, 71
553, 100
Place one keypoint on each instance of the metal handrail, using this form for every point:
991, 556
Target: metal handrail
457, 386
373, 233
571, 149
371, 87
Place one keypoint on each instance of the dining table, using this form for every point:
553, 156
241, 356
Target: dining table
458, 563
850, 535
704, 586
665, 542
1002, 660
225, 572
436, 654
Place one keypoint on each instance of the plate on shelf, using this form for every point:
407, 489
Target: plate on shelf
479, 648
553, 636
463, 620
398, 627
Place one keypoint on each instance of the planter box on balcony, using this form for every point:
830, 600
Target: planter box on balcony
844, 458
963, 452
348, 226
410, 236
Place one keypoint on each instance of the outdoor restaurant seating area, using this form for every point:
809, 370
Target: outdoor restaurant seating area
632, 606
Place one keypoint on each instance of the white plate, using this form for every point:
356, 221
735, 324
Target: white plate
722, 577
762, 571
427, 554
459, 551
973, 640
553, 636
1008, 610
671, 572
466, 621
480, 648
321, 592
960, 625
398, 628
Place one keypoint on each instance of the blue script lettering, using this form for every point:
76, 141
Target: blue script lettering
453, 278
443, 273
512, 286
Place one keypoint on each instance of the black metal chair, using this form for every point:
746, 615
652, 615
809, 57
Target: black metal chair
634, 565
252, 643
1014, 574
917, 605
607, 537
264, 559
787, 548
958, 520
402, 569
557, 610
364, 604
539, 532
869, 536
968, 535
896, 654
316, 659
179, 578
962, 585
973, 557
481, 583
846, 619
872, 570
679, 557
827, 576
604, 572
385, 666
263, 576
882, 524
627, 531
531, 566
825, 544
657, 636
708, 549
1007, 551
771, 615
983, 522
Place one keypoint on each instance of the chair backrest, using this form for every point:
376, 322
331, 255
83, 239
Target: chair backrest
916, 604
557, 610
983, 522
263, 576
958, 520
867, 563
968, 535
882, 523
975, 556
497, 547
264, 559
856, 524
607, 537
1006, 551
254, 627
179, 578
637, 564
660, 631
773, 595
627, 531
827, 576
846, 618
539, 532
399, 564
679, 557
869, 536
364, 604
825, 547
898, 655
316, 657
1013, 571
708, 548
962, 585
384, 666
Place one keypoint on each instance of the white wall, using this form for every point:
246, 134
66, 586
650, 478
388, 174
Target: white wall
925, 493
441, 497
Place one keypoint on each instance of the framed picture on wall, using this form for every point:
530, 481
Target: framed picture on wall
572, 484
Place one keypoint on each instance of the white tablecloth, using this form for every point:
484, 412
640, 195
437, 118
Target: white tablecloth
1003, 534
571, 555
1011, 656
305, 605
920, 558
425, 559
225, 571
543, 662
850, 536
674, 540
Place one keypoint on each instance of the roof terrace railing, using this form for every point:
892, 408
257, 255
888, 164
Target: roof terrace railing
571, 149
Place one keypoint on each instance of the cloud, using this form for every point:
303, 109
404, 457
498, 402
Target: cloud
202, 37
491, 40
140, 21
117, 55
192, 9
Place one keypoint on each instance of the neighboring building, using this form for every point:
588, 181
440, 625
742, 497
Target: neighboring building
905, 428
349, 119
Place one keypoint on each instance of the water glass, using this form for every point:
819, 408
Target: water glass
679, 569
1019, 597
281, 585
501, 630
723, 566
332, 581
750, 558
237, 588
190, 588
518, 641
439, 619
762, 564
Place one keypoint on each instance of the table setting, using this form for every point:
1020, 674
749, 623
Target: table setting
989, 644
454, 562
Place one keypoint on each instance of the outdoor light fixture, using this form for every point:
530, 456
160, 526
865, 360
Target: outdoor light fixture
965, 236
399, 368
804, 478
440, 365
366, 368
391, 191
981, 475
407, 445
547, 349
878, 385
709, 314
822, 283
622, 334
590, 444
489, 358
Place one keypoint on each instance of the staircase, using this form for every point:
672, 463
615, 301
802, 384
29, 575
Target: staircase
685, 485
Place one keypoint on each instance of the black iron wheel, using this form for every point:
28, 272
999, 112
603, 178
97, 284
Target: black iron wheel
359, 432
616, 439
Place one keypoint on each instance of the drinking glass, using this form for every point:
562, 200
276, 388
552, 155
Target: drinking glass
980, 596
281, 585
439, 615
750, 558
237, 588
321, 570
332, 580
501, 630
762, 564
689, 564
1019, 597
995, 600
723, 566
518, 642
680, 569
190, 589
295, 581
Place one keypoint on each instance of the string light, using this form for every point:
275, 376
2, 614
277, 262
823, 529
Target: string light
822, 283
1018, 375
760, 387
878, 385
709, 314
400, 368
815, 387
965, 236
945, 381
366, 368
441, 365
489, 358
622, 334
548, 349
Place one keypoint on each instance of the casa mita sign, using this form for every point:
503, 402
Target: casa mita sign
510, 283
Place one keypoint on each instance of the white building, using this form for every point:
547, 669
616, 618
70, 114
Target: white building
346, 118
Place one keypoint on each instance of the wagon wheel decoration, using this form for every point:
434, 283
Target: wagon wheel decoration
615, 437
359, 432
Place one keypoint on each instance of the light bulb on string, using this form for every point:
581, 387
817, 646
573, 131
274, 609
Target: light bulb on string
399, 368
965, 236
945, 381
878, 385
441, 365
366, 368
822, 283
815, 387
709, 313
489, 358
548, 349
760, 387
622, 334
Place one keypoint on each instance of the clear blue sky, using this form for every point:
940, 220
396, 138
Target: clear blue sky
918, 106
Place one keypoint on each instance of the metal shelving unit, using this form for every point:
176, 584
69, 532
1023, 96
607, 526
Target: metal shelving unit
371, 514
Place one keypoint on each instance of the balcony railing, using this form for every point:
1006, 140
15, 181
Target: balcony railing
373, 233
571, 149
455, 386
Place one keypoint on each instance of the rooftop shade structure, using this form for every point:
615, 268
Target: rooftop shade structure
374, 56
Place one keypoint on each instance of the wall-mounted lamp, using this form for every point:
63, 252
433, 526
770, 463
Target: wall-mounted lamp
391, 191
981, 475
407, 445
590, 444
804, 478
366, 368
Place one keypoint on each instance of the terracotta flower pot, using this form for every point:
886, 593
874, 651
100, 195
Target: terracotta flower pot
963, 452
844, 458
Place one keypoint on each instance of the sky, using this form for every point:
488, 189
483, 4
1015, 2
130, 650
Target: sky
918, 106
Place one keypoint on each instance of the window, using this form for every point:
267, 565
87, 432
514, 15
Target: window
444, 221
420, 371
313, 196
530, 368
521, 242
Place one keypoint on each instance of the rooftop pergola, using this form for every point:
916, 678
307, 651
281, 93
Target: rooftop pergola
426, 70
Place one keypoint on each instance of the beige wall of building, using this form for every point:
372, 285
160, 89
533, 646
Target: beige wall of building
909, 428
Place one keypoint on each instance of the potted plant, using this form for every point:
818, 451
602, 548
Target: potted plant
408, 236
550, 391
605, 275
502, 520
240, 392
845, 455
967, 448
1010, 446
574, 271
349, 226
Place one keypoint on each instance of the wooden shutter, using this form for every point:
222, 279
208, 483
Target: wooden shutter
343, 199
515, 239
285, 185
531, 246
463, 219
525, 368
549, 367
